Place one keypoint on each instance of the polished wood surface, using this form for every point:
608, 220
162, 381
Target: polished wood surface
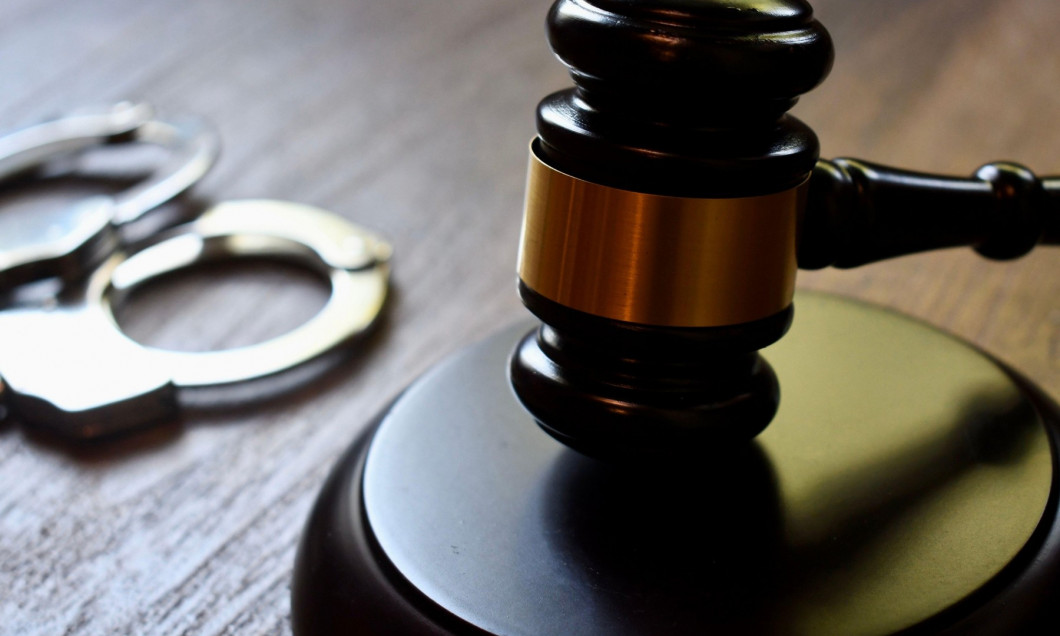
413, 118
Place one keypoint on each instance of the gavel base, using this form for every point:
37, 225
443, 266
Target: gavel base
907, 482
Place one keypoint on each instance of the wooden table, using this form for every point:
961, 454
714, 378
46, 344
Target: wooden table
413, 118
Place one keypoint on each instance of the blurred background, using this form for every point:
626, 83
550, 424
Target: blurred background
413, 118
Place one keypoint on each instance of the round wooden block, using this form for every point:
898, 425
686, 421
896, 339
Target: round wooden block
907, 482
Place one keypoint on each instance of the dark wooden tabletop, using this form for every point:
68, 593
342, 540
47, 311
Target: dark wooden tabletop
413, 118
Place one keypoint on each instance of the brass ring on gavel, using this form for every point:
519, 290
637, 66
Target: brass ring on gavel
658, 260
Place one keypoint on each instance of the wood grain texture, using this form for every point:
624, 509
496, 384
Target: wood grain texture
413, 118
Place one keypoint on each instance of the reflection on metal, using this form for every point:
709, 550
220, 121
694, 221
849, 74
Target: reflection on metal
904, 471
69, 367
658, 260
71, 242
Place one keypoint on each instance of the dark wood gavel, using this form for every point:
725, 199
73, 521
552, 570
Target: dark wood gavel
670, 201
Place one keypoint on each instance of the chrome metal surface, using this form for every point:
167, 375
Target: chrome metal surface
69, 242
354, 261
67, 365
193, 148
34, 145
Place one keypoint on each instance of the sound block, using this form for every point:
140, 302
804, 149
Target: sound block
906, 485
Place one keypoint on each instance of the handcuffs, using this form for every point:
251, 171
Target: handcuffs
65, 364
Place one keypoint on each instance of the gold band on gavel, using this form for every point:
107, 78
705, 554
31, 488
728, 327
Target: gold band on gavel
657, 260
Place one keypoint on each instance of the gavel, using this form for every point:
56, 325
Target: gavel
671, 199
909, 482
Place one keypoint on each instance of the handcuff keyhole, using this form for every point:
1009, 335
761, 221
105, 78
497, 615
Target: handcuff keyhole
245, 302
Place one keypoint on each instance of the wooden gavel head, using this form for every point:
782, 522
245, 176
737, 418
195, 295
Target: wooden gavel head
908, 485
670, 201
659, 238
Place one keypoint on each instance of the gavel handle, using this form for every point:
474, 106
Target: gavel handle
858, 213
